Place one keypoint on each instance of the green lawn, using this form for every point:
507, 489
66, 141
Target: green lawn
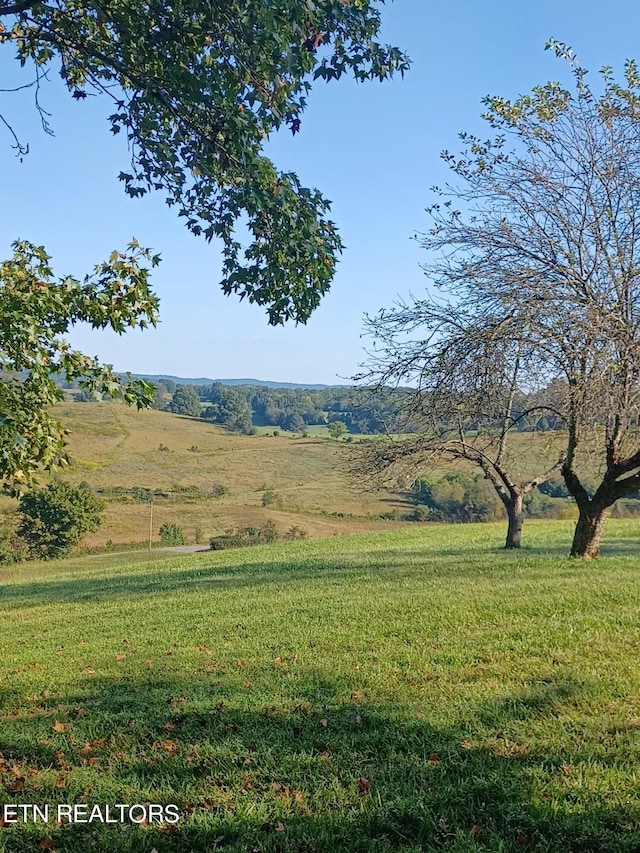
416, 690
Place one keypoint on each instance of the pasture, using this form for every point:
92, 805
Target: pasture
414, 690
116, 448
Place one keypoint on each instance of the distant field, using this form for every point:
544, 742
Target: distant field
114, 447
415, 690
117, 450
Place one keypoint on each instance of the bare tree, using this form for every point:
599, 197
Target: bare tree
547, 233
468, 400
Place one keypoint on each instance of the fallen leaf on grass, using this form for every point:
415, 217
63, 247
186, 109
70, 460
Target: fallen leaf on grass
47, 843
324, 722
61, 727
120, 657
170, 747
433, 758
364, 786
476, 829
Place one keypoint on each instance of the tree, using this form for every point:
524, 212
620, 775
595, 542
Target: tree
294, 423
466, 401
228, 408
198, 88
545, 236
337, 429
161, 395
55, 518
185, 401
36, 311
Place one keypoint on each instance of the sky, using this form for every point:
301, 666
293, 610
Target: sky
373, 149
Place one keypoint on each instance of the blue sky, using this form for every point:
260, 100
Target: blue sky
373, 149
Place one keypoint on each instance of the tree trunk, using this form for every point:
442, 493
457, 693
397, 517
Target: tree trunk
516, 520
586, 539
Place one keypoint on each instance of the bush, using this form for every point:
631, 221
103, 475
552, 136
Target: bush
295, 533
458, 498
337, 429
554, 488
244, 536
270, 497
54, 519
172, 534
12, 548
538, 505
141, 495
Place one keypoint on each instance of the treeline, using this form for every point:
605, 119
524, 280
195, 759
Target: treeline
462, 497
244, 407
362, 410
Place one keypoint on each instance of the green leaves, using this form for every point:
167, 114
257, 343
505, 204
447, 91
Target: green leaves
35, 312
55, 518
199, 89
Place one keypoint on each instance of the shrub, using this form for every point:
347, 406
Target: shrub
270, 497
459, 498
421, 513
199, 536
12, 548
54, 519
244, 536
172, 534
337, 429
141, 495
296, 533
554, 488
538, 505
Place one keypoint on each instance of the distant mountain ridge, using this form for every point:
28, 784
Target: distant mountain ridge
203, 380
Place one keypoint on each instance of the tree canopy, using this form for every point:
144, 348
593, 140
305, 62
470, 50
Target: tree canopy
538, 241
466, 402
36, 311
197, 88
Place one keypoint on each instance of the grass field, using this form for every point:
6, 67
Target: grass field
113, 446
415, 690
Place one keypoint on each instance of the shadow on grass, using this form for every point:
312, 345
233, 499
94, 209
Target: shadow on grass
442, 563
308, 773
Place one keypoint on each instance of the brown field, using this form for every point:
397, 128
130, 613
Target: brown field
115, 446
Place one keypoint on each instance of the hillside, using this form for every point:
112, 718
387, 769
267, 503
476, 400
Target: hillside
417, 690
116, 450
